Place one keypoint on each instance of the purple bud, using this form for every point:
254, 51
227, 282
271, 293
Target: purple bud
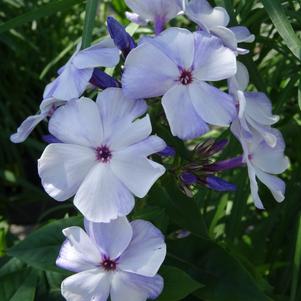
219, 184
168, 151
211, 147
102, 80
182, 234
218, 146
225, 164
50, 139
188, 178
121, 38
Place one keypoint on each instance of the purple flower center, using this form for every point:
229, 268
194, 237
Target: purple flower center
103, 154
250, 157
108, 264
186, 77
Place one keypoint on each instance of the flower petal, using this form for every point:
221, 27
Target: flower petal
70, 84
130, 133
26, 127
226, 35
78, 122
111, 238
78, 252
214, 106
148, 72
275, 185
146, 251
128, 286
242, 34
254, 187
102, 197
63, 167
201, 12
87, 286
213, 61
138, 174
116, 110
135, 18
102, 54
183, 120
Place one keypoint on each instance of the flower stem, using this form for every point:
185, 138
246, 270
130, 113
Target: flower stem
91, 8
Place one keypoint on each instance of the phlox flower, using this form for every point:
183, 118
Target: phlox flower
215, 20
103, 158
75, 75
255, 109
158, 12
263, 163
73, 79
117, 259
177, 64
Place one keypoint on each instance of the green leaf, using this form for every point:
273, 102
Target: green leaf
37, 13
177, 284
41, 248
282, 24
17, 286
91, 9
296, 263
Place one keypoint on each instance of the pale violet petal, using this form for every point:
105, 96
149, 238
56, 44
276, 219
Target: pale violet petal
135, 18
275, 185
130, 133
117, 111
63, 167
88, 285
146, 252
212, 60
138, 174
214, 106
183, 120
78, 122
227, 36
201, 12
111, 238
101, 54
102, 197
148, 72
129, 286
242, 34
70, 84
26, 127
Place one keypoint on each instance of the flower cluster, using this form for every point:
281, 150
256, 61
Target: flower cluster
99, 151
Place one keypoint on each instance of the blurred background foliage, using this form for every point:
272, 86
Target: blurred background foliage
235, 252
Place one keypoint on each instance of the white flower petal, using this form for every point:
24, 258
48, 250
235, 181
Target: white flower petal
130, 133
183, 120
138, 174
26, 127
102, 54
133, 287
146, 251
111, 238
254, 187
102, 197
242, 34
226, 35
213, 61
135, 18
117, 111
148, 72
87, 286
214, 106
63, 167
78, 122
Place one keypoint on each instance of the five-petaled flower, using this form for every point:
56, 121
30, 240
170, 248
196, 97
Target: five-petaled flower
117, 259
176, 64
103, 158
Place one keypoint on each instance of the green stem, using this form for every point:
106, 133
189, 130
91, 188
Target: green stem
91, 9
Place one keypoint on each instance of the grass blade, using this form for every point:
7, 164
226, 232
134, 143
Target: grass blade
282, 24
91, 9
37, 13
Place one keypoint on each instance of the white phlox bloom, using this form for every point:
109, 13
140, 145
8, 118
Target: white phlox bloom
158, 12
215, 20
117, 259
103, 158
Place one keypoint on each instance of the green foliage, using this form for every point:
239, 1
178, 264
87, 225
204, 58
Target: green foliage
235, 252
